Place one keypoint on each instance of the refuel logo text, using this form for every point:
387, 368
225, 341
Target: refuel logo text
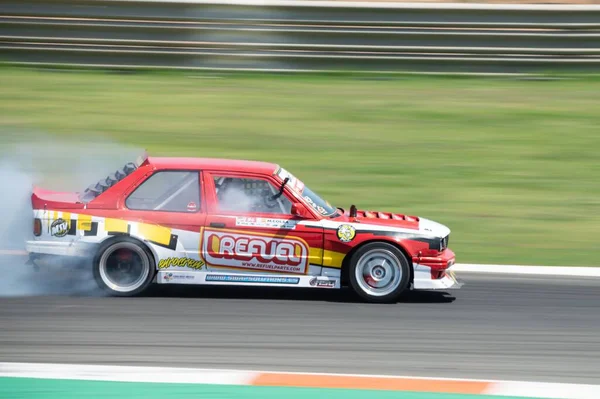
257, 252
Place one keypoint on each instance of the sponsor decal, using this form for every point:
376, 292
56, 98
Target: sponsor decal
173, 276
265, 222
272, 253
346, 233
317, 207
183, 277
191, 207
326, 283
59, 228
252, 279
293, 183
180, 262
315, 282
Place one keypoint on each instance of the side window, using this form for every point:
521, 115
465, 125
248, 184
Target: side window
236, 194
171, 191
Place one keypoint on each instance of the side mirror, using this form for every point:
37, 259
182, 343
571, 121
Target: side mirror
299, 210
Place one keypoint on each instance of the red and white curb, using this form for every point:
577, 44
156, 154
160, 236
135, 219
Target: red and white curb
313, 380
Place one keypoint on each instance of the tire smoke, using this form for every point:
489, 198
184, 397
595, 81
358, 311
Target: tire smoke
46, 162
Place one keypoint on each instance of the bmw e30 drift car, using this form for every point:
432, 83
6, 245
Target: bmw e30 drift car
225, 222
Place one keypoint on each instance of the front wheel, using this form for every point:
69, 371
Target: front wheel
379, 272
123, 267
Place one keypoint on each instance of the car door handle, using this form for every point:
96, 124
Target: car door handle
220, 225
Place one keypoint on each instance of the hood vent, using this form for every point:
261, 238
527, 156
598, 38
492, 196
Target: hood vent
385, 215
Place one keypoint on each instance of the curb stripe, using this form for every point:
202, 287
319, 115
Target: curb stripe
298, 380
372, 383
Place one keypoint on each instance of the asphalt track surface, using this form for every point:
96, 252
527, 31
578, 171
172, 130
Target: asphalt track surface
495, 327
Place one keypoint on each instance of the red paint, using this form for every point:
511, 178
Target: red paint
195, 216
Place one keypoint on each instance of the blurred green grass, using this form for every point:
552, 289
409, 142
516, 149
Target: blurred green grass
511, 166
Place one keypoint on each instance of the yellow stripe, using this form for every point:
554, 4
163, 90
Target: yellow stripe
333, 259
84, 222
315, 257
67, 218
156, 233
115, 225
215, 245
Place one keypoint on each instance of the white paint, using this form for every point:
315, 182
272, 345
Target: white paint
58, 248
423, 281
229, 278
273, 223
436, 229
571, 271
126, 373
545, 390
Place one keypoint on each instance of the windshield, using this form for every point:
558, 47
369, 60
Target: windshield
323, 207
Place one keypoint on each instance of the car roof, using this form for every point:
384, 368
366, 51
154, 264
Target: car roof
213, 164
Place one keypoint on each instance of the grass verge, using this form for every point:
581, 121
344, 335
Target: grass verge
511, 166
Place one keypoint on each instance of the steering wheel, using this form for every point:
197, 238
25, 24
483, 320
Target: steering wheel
268, 200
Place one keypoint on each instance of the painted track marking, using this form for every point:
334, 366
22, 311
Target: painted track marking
282, 379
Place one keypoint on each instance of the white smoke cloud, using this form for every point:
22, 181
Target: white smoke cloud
248, 195
57, 165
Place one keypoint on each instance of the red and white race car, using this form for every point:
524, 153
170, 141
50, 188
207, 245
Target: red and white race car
228, 222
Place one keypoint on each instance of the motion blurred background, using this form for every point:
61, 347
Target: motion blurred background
478, 115
482, 117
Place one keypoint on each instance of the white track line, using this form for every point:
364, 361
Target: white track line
385, 5
126, 373
573, 271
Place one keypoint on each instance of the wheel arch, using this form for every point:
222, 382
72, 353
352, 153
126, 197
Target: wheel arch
348, 257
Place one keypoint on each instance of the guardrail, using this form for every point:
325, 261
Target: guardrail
301, 35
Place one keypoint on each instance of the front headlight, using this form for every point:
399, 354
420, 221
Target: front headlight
444, 242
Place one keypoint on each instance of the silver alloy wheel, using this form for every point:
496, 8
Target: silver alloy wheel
378, 272
132, 276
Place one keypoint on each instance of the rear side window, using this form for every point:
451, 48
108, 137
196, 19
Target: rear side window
171, 191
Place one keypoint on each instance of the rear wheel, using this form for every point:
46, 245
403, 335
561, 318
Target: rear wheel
123, 267
379, 272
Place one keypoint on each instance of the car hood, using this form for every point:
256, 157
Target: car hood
429, 227
395, 222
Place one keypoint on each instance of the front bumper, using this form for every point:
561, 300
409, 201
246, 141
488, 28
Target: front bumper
424, 279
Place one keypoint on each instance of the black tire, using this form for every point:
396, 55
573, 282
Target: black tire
107, 267
384, 261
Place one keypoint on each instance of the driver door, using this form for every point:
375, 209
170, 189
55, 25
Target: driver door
247, 230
